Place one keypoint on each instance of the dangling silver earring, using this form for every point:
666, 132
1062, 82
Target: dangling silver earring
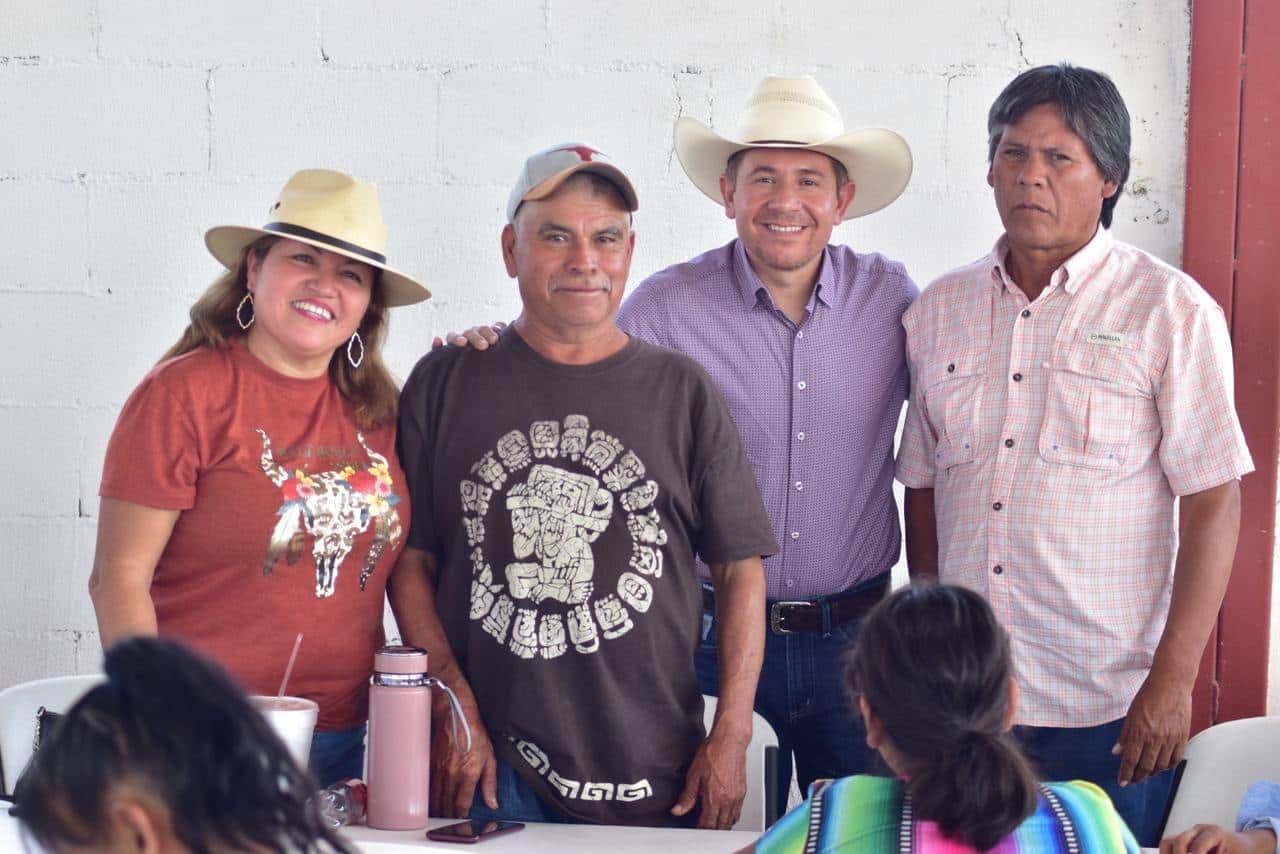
248, 300
355, 360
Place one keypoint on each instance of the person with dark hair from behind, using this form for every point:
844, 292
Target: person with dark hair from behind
933, 676
167, 756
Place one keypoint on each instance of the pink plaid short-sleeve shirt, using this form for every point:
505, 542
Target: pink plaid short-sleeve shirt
1055, 435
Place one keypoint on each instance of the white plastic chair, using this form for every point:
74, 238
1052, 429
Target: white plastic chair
1222, 762
764, 803
18, 707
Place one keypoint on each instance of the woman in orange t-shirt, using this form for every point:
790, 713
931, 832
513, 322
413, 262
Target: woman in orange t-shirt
251, 490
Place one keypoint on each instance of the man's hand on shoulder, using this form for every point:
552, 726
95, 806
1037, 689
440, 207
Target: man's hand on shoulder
718, 778
477, 337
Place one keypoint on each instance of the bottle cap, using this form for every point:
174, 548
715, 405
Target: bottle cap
400, 659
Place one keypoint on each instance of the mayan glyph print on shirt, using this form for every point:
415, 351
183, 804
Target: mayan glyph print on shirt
333, 507
560, 485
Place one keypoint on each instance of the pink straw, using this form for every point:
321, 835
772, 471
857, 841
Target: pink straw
289, 670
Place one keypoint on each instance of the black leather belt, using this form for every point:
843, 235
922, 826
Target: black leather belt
820, 615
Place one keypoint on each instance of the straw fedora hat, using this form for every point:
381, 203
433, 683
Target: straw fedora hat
330, 210
795, 112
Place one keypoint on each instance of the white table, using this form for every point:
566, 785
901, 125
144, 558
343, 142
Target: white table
535, 838
565, 839
559, 839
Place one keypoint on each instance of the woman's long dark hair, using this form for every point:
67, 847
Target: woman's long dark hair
934, 666
173, 726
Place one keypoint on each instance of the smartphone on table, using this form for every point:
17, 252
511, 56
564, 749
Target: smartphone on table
473, 831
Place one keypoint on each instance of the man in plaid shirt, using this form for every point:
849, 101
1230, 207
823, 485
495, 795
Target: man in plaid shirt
1065, 390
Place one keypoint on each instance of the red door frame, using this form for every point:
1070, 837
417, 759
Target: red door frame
1232, 247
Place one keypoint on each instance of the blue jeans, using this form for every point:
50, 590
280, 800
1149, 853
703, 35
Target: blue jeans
517, 801
1084, 753
338, 755
802, 695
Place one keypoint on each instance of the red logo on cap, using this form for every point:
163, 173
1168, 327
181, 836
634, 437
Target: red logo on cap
584, 152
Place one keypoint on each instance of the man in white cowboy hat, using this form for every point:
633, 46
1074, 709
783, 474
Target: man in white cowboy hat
1072, 451
805, 341
558, 518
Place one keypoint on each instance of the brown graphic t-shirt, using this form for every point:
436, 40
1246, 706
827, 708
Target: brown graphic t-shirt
566, 505
291, 521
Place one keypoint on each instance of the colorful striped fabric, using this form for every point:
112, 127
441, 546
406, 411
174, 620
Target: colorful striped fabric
871, 815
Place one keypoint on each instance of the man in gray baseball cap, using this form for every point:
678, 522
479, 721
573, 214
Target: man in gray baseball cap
558, 515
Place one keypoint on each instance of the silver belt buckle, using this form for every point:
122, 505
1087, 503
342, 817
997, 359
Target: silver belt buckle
775, 617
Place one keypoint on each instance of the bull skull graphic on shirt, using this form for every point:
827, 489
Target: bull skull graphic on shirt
334, 507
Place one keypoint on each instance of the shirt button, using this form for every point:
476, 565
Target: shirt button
996, 506
800, 436
795, 535
799, 486
790, 582
1008, 443
951, 368
802, 385
997, 569
799, 333
1017, 378
1026, 312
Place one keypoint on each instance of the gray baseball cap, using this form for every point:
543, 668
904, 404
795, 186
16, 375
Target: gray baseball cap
545, 171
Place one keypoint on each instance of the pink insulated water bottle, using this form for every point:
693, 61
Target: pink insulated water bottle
400, 737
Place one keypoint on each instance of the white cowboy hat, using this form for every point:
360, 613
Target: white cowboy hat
794, 112
330, 210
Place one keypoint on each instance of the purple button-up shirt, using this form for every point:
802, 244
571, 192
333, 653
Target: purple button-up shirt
817, 403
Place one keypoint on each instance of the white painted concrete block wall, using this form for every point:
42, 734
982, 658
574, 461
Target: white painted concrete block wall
127, 127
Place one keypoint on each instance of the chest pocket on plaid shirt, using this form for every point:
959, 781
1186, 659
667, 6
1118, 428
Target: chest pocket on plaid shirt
952, 390
1098, 406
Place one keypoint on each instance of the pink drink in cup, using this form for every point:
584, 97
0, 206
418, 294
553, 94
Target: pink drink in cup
293, 719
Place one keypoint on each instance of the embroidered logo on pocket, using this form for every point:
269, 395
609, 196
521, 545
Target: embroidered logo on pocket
1110, 339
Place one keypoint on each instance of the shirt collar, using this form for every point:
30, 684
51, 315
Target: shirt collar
752, 289
1072, 272
995, 263
826, 279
